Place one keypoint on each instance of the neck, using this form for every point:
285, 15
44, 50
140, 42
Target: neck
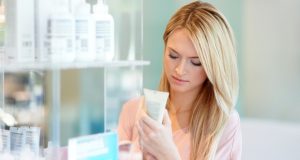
181, 102
180, 108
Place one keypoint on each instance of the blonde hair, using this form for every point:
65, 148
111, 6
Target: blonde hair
214, 42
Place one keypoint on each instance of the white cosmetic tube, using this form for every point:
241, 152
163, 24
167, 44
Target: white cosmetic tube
155, 104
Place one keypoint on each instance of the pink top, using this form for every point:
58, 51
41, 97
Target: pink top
230, 145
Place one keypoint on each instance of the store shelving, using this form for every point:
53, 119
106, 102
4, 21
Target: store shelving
112, 82
28, 66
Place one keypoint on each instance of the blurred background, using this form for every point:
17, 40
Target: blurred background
268, 43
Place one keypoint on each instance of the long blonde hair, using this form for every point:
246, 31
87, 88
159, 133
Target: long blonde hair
214, 42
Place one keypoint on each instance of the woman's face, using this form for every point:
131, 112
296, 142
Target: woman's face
182, 65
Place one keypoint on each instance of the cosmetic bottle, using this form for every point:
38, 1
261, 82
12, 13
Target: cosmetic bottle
19, 31
2, 30
84, 32
104, 32
61, 33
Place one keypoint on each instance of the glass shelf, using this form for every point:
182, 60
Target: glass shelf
27, 66
70, 99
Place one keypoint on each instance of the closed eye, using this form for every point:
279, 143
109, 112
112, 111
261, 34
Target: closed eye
173, 56
196, 62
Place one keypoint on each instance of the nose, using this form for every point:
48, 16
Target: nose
180, 68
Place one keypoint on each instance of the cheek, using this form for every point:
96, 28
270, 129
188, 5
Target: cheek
200, 76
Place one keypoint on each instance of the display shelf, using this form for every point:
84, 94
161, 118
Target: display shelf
27, 66
75, 98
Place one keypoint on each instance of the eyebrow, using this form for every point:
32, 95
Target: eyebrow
173, 50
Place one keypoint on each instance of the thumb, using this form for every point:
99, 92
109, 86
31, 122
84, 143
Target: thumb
167, 121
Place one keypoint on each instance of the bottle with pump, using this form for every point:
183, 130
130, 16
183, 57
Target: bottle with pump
104, 27
61, 33
2, 31
84, 32
42, 13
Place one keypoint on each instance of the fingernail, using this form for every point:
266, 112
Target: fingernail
143, 118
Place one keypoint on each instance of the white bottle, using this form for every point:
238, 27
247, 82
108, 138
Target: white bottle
19, 39
61, 33
42, 12
84, 32
2, 31
105, 36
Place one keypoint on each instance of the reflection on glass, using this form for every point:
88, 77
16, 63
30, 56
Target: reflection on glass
128, 27
121, 85
22, 119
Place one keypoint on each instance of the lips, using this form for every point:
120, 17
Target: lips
179, 80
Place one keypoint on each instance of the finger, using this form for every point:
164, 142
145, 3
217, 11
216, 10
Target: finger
145, 128
152, 157
141, 136
139, 129
149, 156
167, 121
149, 122
148, 151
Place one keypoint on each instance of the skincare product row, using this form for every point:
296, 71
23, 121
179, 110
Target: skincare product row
94, 32
54, 31
18, 140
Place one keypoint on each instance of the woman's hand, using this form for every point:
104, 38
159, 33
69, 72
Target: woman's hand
156, 139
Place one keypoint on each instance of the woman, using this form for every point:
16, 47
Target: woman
200, 74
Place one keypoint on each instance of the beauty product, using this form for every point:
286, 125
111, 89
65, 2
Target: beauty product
61, 33
84, 32
6, 156
27, 154
19, 30
104, 28
155, 103
43, 11
2, 31
17, 140
32, 139
5, 141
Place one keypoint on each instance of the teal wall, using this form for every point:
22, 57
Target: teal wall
156, 14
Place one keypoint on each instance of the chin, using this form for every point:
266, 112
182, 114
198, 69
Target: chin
179, 89
183, 89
